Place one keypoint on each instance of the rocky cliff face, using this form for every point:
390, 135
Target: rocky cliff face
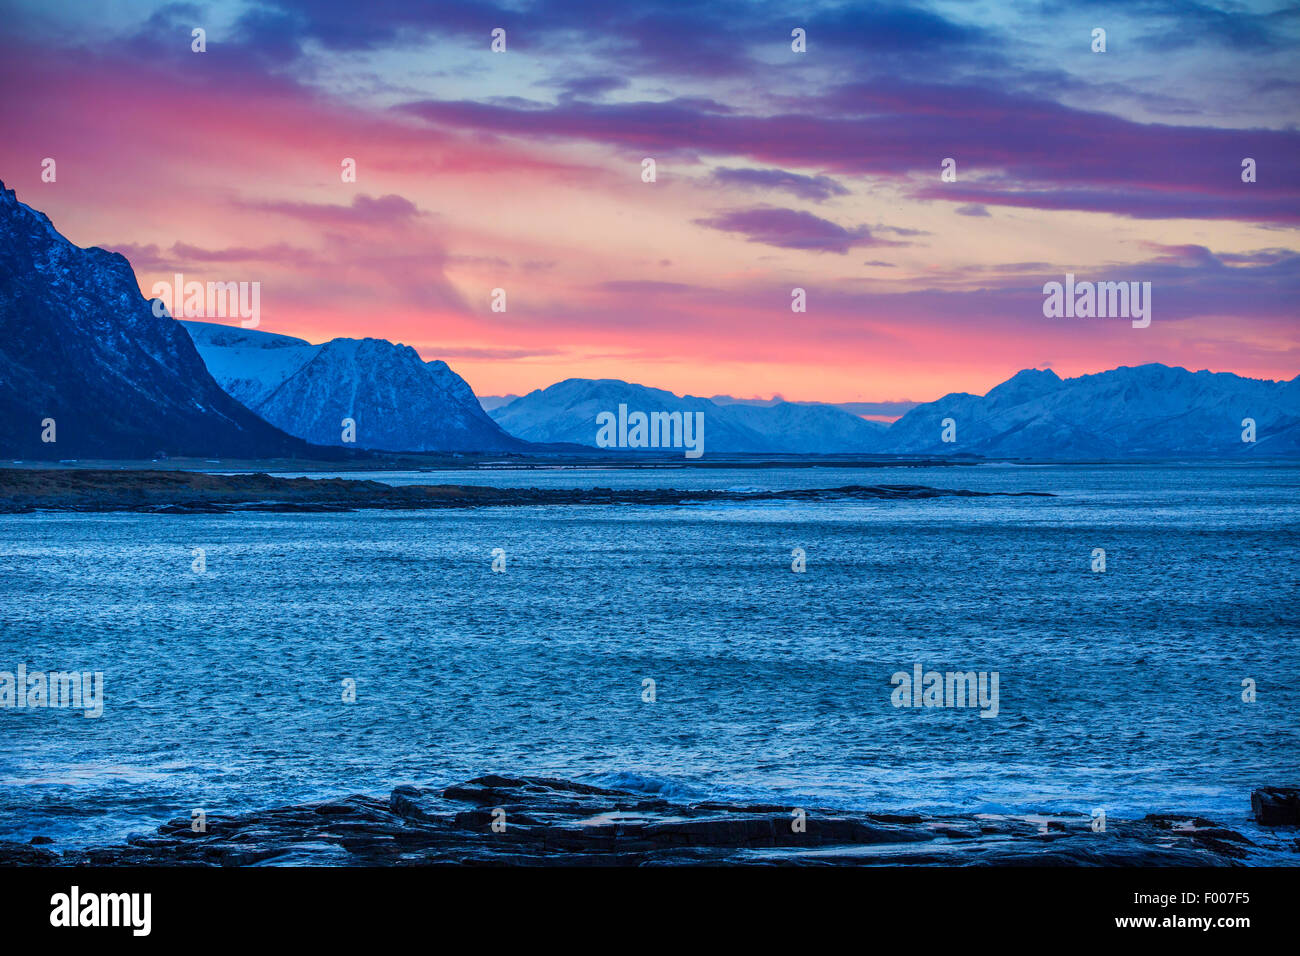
80, 345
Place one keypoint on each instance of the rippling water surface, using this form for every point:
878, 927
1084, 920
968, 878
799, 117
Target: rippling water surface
223, 690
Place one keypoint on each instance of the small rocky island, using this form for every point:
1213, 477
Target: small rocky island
191, 492
498, 820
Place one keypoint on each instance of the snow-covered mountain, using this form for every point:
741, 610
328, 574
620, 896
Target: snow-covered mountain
883, 411
808, 429
490, 402
80, 345
1147, 411
1151, 411
566, 412
398, 401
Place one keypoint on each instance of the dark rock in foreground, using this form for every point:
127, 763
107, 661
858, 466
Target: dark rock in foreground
1276, 806
541, 821
191, 492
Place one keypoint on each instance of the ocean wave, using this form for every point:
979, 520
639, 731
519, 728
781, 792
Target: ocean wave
666, 787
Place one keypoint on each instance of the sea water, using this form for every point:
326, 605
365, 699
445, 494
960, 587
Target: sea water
225, 689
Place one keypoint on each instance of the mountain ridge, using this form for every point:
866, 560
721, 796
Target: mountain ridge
1150, 410
81, 347
398, 401
566, 412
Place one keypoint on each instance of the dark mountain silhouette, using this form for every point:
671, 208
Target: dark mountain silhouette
80, 345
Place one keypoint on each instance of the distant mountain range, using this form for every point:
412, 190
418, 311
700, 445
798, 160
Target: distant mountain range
81, 347
398, 401
489, 402
1149, 411
883, 411
566, 412
84, 359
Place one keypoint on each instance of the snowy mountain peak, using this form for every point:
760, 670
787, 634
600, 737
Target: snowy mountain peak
1128, 412
397, 401
233, 336
1026, 384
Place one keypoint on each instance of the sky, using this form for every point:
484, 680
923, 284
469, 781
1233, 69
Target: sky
775, 169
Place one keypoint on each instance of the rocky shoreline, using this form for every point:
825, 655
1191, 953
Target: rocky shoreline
539, 821
25, 490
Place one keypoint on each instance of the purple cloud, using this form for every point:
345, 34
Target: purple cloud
182, 254
364, 210
645, 287
1011, 149
793, 229
815, 188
